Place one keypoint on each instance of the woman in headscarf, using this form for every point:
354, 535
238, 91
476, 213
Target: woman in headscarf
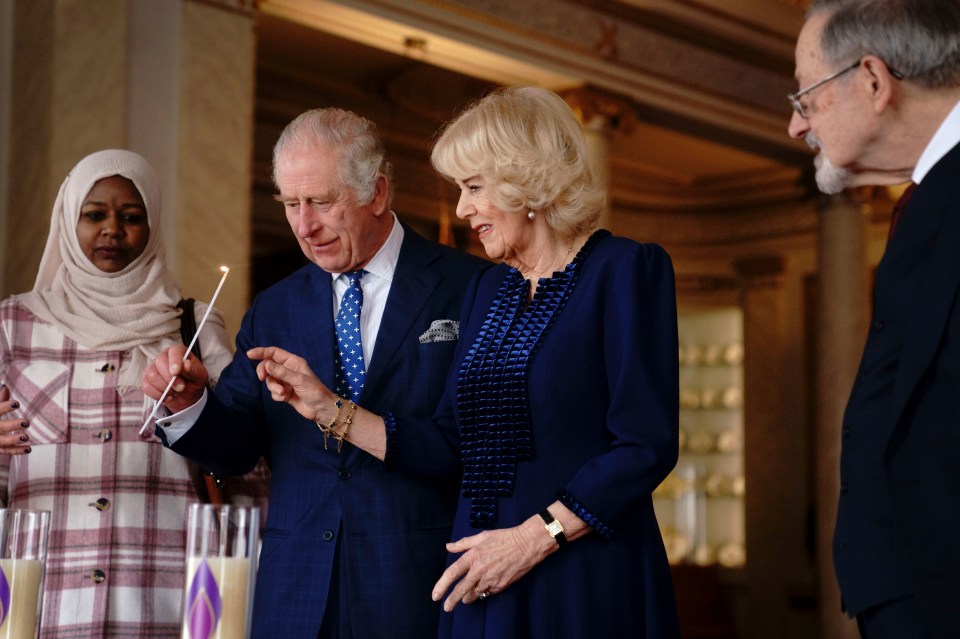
71, 354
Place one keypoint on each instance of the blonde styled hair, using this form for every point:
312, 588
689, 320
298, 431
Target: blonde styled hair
528, 147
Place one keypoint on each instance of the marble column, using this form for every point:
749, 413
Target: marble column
843, 308
6, 71
171, 80
597, 131
602, 115
214, 134
770, 469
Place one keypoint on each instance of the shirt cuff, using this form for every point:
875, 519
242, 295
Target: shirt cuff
176, 425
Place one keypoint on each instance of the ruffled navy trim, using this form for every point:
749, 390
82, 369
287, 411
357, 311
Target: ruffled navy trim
393, 442
492, 399
577, 509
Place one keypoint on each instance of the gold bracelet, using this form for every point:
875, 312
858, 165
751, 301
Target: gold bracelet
346, 426
327, 429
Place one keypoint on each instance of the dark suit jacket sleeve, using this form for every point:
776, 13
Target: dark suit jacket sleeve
227, 439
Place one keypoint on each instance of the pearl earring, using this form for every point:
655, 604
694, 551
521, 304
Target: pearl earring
531, 214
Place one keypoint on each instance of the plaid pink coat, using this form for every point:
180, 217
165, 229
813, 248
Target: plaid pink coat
119, 502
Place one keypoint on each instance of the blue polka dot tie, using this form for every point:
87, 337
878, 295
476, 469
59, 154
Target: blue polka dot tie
351, 372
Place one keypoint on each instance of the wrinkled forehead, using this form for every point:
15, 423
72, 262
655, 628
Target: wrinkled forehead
308, 159
810, 63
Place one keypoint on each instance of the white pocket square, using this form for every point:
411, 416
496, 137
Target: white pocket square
445, 330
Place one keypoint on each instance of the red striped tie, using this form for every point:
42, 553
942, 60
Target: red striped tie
898, 209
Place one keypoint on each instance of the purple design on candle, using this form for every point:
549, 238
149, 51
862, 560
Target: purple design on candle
203, 603
4, 597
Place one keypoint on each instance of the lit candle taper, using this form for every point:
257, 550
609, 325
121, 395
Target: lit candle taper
196, 335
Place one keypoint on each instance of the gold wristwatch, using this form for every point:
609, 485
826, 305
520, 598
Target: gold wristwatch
554, 527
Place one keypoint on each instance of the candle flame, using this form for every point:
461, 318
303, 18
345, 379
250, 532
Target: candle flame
225, 269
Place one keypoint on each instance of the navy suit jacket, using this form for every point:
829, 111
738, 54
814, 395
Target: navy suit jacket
389, 520
901, 448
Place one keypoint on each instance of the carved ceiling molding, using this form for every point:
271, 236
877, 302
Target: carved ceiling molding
730, 29
243, 7
635, 60
603, 109
658, 71
710, 228
761, 272
639, 188
689, 284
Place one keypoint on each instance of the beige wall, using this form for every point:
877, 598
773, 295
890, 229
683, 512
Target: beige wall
6, 87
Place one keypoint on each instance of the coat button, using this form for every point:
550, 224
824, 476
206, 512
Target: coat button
878, 325
846, 432
105, 435
844, 487
327, 535
102, 504
344, 474
98, 576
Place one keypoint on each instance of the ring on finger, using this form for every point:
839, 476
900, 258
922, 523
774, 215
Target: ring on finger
481, 594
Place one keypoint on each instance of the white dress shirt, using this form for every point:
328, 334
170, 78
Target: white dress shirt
946, 137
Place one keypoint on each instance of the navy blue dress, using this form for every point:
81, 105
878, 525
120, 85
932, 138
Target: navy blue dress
573, 396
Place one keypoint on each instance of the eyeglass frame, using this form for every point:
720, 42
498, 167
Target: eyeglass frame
794, 98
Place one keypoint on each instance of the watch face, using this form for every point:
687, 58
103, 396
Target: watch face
554, 528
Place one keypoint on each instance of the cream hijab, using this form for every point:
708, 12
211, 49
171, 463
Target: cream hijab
131, 310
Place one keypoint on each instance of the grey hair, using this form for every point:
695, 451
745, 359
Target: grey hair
918, 38
529, 145
362, 157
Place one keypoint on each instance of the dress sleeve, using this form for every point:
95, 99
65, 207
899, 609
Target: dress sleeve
642, 408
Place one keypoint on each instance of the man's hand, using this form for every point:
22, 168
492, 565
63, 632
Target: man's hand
289, 379
191, 378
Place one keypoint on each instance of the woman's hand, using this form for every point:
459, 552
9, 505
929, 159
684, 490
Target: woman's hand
13, 438
491, 561
289, 379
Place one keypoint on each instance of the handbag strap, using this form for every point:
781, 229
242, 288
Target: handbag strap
188, 325
211, 489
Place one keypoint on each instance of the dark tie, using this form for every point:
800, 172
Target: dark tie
898, 209
351, 372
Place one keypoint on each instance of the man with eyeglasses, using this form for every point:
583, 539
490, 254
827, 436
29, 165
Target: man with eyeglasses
880, 104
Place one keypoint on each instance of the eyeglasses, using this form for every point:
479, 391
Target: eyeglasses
795, 97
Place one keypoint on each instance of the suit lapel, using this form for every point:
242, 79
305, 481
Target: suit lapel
937, 292
413, 284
